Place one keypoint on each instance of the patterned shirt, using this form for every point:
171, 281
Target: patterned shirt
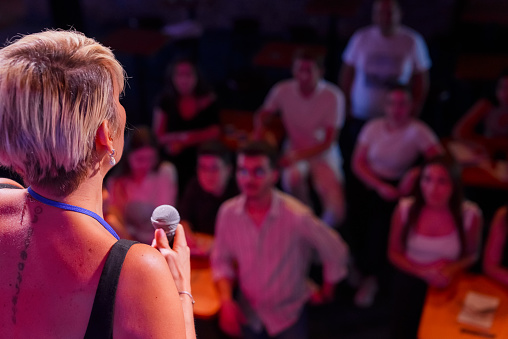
270, 262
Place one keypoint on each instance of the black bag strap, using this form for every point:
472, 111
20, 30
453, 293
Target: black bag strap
100, 324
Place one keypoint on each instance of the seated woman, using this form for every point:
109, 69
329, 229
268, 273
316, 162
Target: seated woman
495, 261
186, 115
141, 183
435, 235
485, 125
65, 274
386, 150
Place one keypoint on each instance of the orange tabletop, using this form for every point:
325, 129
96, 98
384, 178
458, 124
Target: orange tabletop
442, 307
203, 288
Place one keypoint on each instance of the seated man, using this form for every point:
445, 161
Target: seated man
312, 112
208, 190
264, 243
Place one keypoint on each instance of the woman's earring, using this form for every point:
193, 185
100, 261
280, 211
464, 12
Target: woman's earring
112, 159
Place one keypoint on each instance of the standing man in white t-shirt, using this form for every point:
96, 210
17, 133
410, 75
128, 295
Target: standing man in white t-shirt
380, 55
313, 112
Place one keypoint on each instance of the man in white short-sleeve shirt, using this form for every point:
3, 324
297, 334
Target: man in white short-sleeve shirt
312, 111
381, 55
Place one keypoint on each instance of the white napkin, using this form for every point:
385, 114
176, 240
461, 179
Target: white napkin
478, 309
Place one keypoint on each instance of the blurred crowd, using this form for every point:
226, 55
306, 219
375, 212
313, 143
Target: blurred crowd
359, 183
355, 155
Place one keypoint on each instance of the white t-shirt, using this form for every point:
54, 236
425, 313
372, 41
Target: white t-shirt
390, 153
380, 61
425, 249
307, 118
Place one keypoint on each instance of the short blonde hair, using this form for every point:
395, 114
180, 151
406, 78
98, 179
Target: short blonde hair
56, 88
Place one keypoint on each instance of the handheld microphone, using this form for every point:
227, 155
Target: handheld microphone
167, 218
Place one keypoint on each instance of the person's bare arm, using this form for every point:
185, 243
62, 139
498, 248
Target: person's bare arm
465, 127
230, 315
420, 88
160, 121
495, 246
306, 153
346, 77
185, 139
363, 171
147, 302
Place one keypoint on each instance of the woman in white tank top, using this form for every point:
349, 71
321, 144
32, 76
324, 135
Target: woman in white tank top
434, 236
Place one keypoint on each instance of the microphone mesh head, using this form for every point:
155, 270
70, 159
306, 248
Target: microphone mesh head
165, 217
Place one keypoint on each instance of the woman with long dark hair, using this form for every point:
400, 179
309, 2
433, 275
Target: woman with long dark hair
186, 115
434, 236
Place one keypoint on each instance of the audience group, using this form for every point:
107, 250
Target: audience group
389, 186
388, 214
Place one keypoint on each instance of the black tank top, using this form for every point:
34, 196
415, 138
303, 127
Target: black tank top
100, 324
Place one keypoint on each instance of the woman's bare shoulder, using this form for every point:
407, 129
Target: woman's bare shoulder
145, 266
144, 256
147, 299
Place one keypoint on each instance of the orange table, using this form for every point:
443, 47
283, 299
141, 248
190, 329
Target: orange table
442, 306
203, 288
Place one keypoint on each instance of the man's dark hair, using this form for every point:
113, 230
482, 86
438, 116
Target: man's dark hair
217, 149
310, 55
260, 148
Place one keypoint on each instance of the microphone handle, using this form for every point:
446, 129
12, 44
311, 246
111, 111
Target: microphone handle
171, 238
170, 234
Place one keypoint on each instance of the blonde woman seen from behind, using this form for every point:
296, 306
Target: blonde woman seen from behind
61, 129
